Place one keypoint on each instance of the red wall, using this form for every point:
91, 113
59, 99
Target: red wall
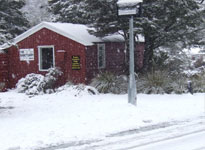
19, 69
64, 50
139, 55
3, 71
115, 59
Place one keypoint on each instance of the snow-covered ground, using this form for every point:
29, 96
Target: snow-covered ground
73, 115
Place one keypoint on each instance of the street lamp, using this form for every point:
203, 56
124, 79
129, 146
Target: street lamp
130, 8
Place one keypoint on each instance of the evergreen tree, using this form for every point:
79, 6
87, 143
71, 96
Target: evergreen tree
71, 11
12, 21
170, 22
201, 33
164, 22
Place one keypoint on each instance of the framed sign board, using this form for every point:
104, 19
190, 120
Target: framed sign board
26, 54
75, 62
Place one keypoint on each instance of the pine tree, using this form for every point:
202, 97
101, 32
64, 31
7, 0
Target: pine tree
71, 11
169, 22
12, 21
103, 16
201, 32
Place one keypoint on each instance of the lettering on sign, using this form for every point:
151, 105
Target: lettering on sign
75, 62
26, 54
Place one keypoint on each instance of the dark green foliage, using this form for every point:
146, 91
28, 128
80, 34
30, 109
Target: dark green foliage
198, 80
169, 22
109, 83
71, 11
154, 82
12, 21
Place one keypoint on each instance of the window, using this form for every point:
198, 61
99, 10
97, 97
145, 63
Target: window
46, 57
101, 55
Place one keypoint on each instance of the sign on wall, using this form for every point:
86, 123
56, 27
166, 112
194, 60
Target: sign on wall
26, 54
75, 62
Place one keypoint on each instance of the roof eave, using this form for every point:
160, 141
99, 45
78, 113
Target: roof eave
50, 27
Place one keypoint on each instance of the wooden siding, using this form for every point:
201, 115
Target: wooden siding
3, 71
64, 50
115, 59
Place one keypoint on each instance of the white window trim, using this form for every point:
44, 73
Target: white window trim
39, 56
104, 61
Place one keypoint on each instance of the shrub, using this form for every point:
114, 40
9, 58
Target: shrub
109, 83
2, 86
50, 79
156, 82
34, 84
179, 84
198, 83
31, 84
160, 82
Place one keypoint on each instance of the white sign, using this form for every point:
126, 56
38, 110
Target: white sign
128, 7
128, 2
26, 54
125, 12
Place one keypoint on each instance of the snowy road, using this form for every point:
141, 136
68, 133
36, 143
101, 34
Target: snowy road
181, 136
194, 141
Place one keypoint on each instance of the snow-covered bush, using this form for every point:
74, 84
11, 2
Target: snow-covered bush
50, 79
78, 90
34, 84
109, 83
31, 84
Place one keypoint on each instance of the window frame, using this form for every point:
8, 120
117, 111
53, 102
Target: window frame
40, 56
104, 57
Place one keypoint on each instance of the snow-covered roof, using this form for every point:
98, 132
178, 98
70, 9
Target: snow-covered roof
76, 32
3, 47
122, 3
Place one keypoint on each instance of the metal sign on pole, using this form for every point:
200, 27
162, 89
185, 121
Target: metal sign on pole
129, 8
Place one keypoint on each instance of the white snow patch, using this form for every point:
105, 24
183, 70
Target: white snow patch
193, 50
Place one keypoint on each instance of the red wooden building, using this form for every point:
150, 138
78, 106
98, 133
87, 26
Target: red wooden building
79, 55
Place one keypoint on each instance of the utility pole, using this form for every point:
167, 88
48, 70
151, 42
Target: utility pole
132, 97
129, 8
